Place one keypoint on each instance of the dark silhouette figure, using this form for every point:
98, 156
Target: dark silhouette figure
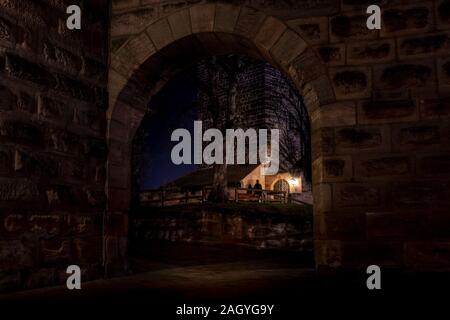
258, 188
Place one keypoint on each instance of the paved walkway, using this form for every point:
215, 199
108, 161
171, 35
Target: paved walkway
170, 276
190, 273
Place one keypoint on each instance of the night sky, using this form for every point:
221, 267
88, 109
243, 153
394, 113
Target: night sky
175, 107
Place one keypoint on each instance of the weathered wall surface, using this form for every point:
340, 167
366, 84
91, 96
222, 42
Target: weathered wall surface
268, 228
52, 151
379, 102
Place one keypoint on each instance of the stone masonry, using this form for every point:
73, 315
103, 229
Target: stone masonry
379, 103
53, 100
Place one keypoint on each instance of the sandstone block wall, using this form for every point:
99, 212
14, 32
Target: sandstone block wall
53, 99
216, 225
379, 103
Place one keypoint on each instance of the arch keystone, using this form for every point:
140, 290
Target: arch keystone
202, 18
226, 17
249, 22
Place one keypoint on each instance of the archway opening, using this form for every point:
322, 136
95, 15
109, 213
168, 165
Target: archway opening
141, 67
175, 217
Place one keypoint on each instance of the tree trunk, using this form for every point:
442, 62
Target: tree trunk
219, 192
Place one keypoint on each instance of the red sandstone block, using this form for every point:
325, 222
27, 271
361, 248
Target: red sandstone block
368, 52
332, 55
357, 195
331, 169
418, 136
435, 108
383, 166
351, 25
405, 75
351, 82
407, 19
362, 139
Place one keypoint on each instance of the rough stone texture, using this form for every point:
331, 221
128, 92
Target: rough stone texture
216, 225
333, 55
351, 83
202, 18
338, 114
350, 26
404, 76
392, 85
288, 47
368, 52
313, 30
332, 169
408, 19
371, 112
52, 131
270, 32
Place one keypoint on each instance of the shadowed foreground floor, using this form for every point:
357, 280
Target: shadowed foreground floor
168, 276
194, 272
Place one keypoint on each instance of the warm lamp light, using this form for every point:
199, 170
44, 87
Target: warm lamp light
293, 182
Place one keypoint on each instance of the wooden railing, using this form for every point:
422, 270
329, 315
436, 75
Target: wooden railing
168, 197
262, 195
165, 197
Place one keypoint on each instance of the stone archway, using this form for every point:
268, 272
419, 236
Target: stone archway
366, 106
147, 61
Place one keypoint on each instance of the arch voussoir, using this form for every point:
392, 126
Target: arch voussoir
160, 33
124, 62
140, 47
202, 18
116, 83
249, 22
180, 24
269, 33
226, 17
288, 47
